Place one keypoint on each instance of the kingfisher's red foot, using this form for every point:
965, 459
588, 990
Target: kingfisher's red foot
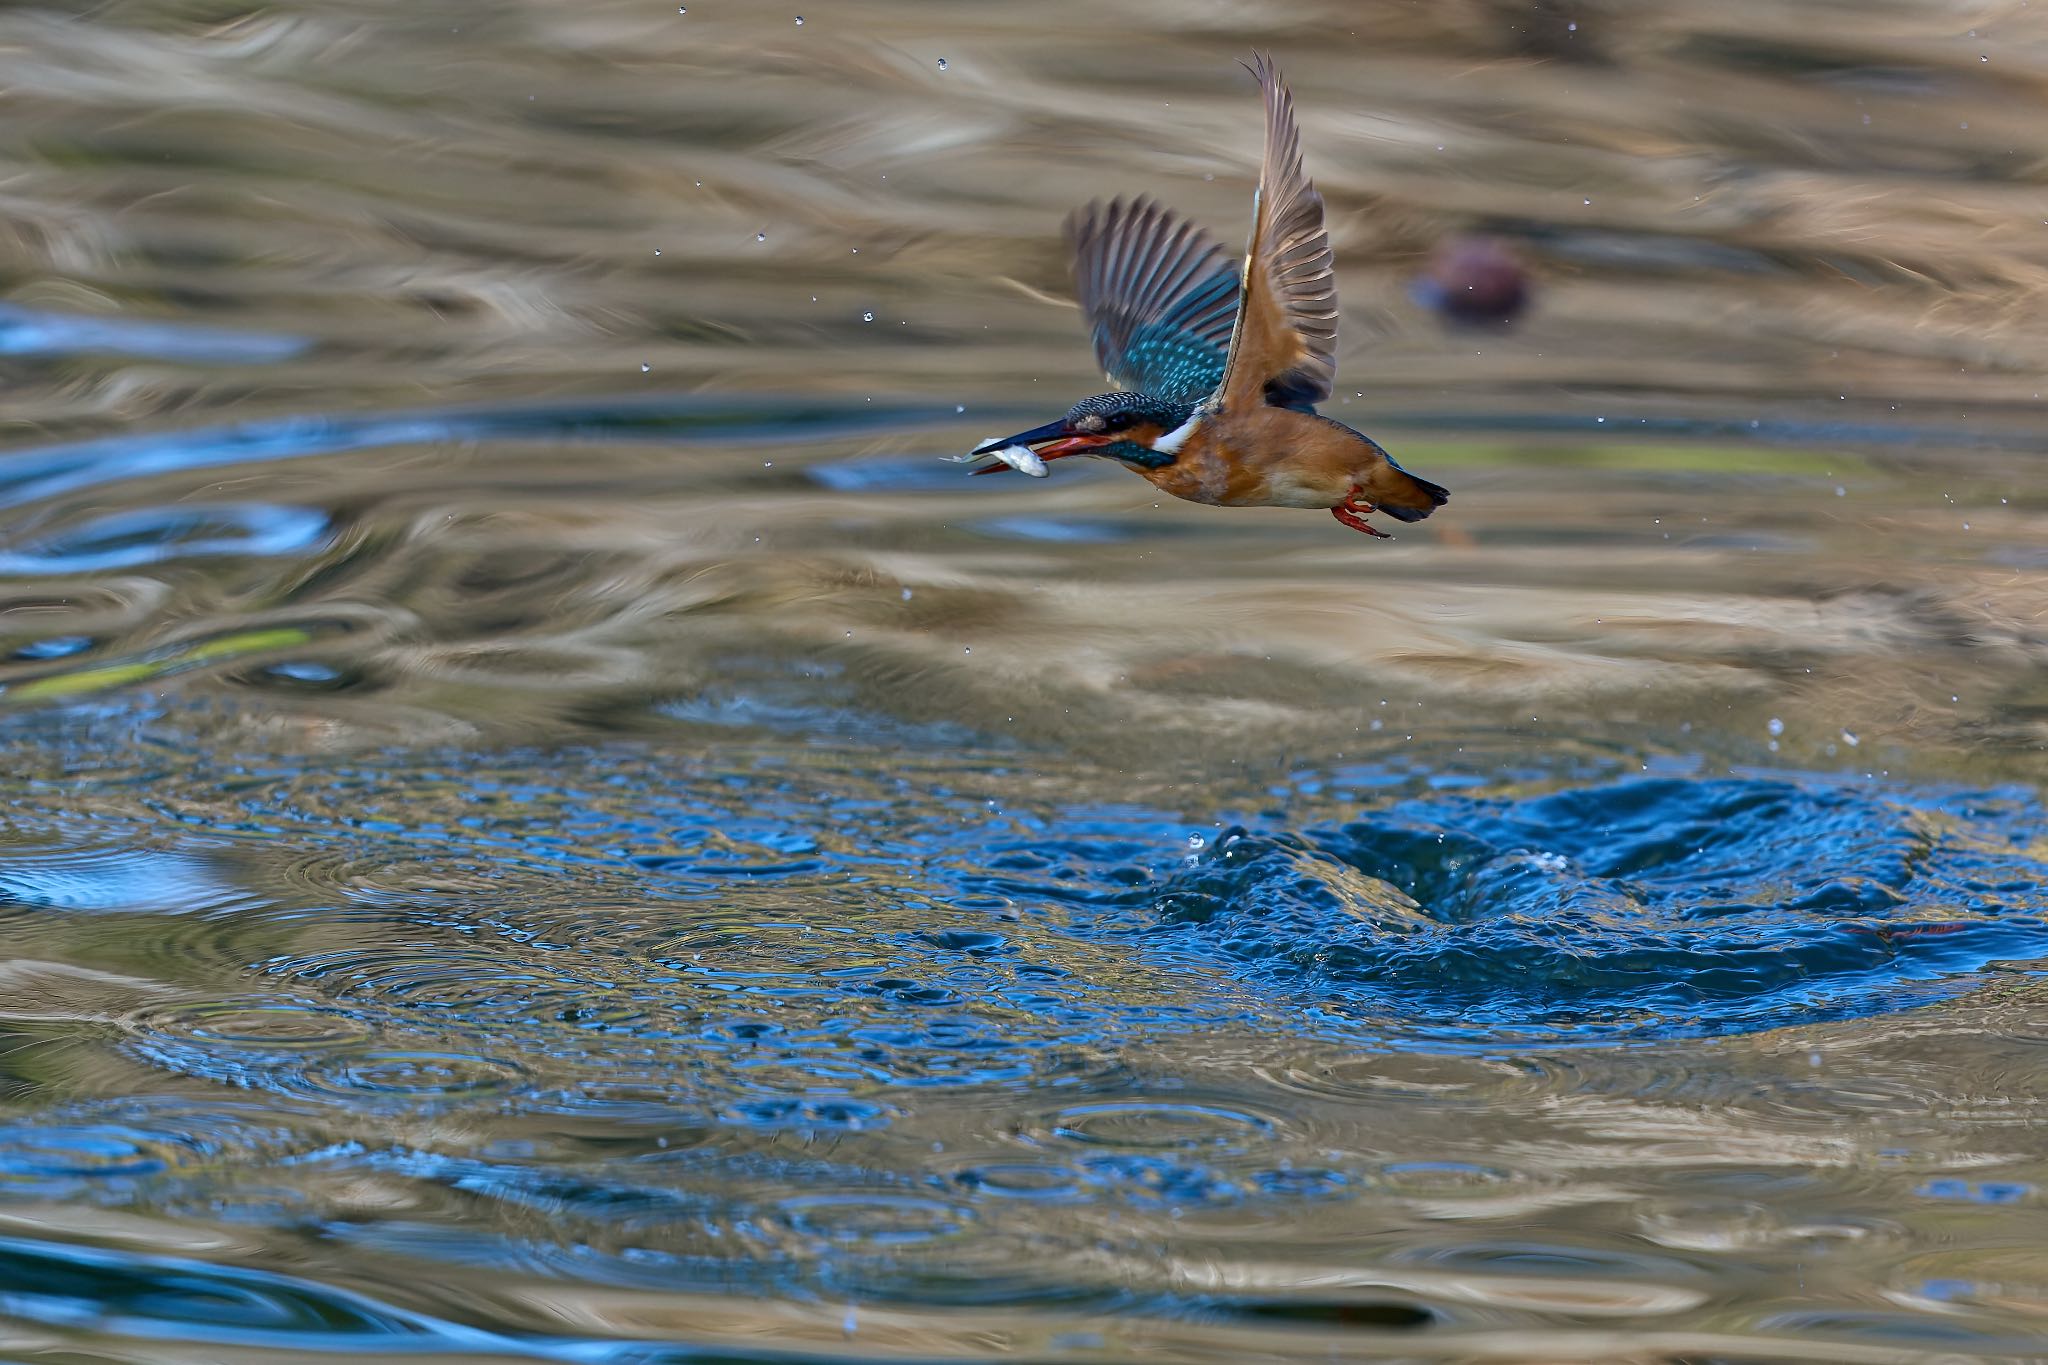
1353, 512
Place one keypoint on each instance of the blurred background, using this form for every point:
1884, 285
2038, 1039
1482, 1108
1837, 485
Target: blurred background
543, 821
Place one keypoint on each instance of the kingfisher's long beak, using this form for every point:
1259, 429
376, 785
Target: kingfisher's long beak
1051, 431
1051, 441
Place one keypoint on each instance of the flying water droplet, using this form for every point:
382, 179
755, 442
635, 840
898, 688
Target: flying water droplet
867, 317
942, 63
1776, 726
760, 236
799, 21
645, 367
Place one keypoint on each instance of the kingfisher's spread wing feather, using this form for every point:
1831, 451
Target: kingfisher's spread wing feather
1160, 296
1284, 349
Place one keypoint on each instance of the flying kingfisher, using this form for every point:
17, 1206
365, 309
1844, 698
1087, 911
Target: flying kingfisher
1219, 370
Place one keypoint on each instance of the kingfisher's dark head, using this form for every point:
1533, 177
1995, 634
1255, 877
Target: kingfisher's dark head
1133, 427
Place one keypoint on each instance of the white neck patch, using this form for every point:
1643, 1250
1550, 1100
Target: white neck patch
1172, 441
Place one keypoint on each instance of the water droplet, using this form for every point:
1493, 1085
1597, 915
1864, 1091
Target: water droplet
657, 251
942, 63
906, 594
799, 21
1776, 726
1849, 738
962, 407
760, 236
1841, 492
645, 367
682, 9
1196, 841
867, 317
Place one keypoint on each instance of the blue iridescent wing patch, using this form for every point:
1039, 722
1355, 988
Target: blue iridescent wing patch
1160, 295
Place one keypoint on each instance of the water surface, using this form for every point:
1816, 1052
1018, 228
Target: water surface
544, 823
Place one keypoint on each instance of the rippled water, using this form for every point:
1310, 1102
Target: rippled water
545, 824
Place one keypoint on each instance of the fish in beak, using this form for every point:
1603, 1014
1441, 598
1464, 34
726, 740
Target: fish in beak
1052, 441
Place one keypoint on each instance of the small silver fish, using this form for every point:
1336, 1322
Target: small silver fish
1020, 458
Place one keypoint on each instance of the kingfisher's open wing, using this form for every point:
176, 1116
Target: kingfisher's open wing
1284, 350
1160, 296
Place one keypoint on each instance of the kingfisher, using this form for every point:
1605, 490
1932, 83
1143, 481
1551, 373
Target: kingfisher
1219, 370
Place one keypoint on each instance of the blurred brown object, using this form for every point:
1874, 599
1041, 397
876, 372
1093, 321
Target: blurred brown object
1474, 282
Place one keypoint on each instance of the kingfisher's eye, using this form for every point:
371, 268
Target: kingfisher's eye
1117, 421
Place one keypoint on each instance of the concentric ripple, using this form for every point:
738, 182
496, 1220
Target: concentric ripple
416, 1076
258, 1024
1138, 1125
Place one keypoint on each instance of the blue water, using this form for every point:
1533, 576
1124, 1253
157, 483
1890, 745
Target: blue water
755, 1019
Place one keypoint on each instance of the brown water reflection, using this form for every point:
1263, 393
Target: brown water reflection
394, 385
1818, 235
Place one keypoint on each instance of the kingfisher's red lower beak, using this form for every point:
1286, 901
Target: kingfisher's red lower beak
1072, 445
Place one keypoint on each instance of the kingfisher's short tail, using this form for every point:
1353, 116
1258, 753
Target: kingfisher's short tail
1404, 497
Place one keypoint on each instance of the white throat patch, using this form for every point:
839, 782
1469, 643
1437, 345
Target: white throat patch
1172, 441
